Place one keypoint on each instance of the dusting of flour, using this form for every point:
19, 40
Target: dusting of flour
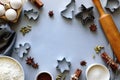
10, 69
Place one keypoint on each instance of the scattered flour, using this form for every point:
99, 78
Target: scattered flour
10, 69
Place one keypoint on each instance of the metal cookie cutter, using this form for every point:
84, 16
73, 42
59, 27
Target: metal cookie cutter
23, 49
69, 11
112, 5
85, 15
31, 14
63, 65
7, 40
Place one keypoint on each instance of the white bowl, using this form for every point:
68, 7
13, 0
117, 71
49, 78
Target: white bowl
43, 73
11, 69
97, 71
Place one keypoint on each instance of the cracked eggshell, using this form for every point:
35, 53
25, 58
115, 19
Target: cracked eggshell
11, 14
2, 10
16, 4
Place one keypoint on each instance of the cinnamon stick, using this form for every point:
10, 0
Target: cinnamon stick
76, 75
109, 61
37, 3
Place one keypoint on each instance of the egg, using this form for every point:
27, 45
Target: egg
4, 1
15, 4
11, 14
2, 10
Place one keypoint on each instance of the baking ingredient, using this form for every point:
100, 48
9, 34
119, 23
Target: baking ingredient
44, 76
61, 76
10, 70
98, 72
11, 14
37, 3
35, 65
76, 75
2, 10
4, 1
25, 30
93, 28
93, 56
51, 13
29, 61
98, 49
109, 61
16, 4
83, 63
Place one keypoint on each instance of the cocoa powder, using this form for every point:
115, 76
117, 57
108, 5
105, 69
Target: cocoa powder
44, 76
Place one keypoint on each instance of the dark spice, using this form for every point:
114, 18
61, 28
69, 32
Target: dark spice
51, 13
76, 75
83, 63
109, 61
37, 3
44, 76
35, 65
93, 28
29, 60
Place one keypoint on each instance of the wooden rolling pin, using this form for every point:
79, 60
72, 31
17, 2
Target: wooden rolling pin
109, 29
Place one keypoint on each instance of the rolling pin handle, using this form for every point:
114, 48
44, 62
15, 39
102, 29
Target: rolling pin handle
99, 7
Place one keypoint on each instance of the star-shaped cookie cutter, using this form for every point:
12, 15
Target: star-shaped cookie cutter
85, 15
63, 65
71, 6
112, 5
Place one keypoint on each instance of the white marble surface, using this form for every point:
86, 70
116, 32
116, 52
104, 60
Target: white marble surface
55, 38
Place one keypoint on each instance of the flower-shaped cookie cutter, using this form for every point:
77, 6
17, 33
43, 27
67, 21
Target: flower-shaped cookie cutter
63, 65
85, 15
112, 5
31, 14
71, 7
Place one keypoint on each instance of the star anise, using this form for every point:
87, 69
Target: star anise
35, 65
29, 61
93, 28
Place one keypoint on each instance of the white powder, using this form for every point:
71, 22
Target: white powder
98, 73
10, 69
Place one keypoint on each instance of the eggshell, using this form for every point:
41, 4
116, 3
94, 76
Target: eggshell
4, 1
2, 10
15, 4
11, 14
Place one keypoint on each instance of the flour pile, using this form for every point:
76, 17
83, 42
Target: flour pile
10, 70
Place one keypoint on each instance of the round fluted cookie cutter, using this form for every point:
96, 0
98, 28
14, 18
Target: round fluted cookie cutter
42, 75
97, 71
